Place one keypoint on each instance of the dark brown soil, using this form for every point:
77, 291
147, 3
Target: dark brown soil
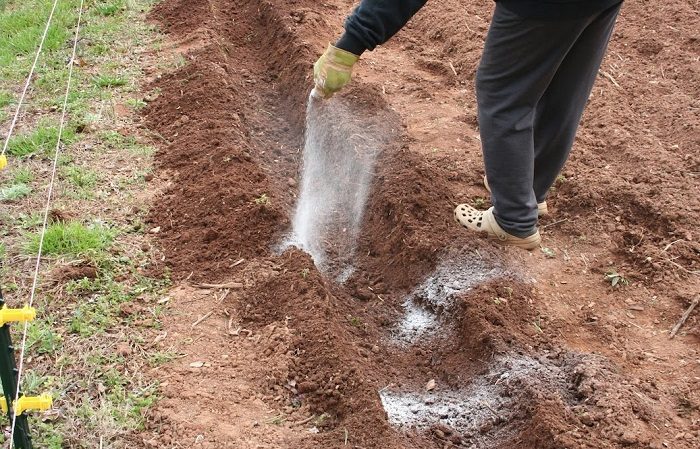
534, 352
65, 273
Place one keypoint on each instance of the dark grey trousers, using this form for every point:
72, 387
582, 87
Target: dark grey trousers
532, 86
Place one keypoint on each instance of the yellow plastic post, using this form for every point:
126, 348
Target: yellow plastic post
3, 161
3, 405
43, 402
26, 313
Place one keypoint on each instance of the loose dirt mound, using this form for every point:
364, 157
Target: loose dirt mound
294, 360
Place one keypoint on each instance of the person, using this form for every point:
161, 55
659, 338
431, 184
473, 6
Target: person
538, 66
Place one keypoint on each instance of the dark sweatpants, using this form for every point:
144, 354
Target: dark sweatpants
532, 86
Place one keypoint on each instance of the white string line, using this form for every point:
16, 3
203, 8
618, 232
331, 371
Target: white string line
29, 79
46, 216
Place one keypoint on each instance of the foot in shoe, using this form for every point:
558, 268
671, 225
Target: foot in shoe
484, 222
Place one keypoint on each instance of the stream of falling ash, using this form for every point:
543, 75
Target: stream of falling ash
340, 150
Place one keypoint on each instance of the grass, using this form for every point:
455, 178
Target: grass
22, 175
21, 27
29, 221
70, 348
118, 141
14, 192
72, 238
42, 140
42, 337
107, 81
109, 8
6, 98
81, 177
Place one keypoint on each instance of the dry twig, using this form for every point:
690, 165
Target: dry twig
202, 319
685, 316
220, 286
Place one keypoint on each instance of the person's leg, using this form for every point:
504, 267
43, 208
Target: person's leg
560, 109
520, 58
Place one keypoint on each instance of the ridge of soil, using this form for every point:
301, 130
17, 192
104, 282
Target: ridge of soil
293, 360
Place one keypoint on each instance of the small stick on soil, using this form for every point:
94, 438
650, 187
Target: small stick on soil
220, 286
555, 223
685, 316
486, 404
453, 68
681, 267
223, 296
202, 319
610, 77
671, 244
304, 421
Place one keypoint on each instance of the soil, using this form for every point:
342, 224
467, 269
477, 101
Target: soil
65, 273
439, 338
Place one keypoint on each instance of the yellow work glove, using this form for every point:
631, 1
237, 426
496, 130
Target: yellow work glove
332, 70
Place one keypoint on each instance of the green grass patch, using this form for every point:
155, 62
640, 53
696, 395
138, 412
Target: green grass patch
106, 81
29, 221
21, 28
42, 338
6, 98
22, 175
80, 177
43, 139
71, 238
107, 9
14, 192
136, 103
128, 143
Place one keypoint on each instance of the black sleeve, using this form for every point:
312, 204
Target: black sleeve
375, 21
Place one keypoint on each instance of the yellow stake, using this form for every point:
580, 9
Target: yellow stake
25, 403
3, 161
26, 313
43, 402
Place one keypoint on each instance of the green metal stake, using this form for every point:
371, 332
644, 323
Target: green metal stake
8, 375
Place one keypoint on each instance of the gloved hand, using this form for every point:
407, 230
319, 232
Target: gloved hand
332, 70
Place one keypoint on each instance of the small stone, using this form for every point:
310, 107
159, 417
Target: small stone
363, 294
485, 427
628, 438
439, 433
210, 236
375, 349
587, 419
291, 182
155, 230
443, 428
430, 386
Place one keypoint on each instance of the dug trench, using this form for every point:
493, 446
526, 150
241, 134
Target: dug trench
429, 344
